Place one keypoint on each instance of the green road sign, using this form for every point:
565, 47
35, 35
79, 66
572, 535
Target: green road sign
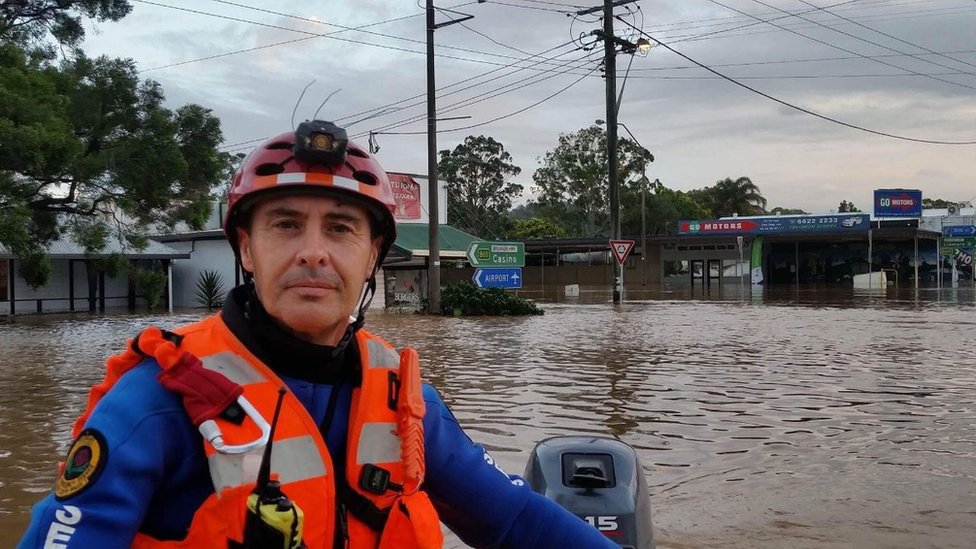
496, 254
950, 244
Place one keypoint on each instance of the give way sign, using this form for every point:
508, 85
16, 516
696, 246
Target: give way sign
621, 249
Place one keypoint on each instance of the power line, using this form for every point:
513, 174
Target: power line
801, 109
511, 114
490, 94
564, 12
915, 14
785, 61
332, 37
865, 40
835, 46
385, 109
826, 10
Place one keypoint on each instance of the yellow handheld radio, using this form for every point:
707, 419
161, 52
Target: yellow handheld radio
273, 520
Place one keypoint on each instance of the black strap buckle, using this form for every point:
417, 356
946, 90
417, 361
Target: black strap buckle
374, 479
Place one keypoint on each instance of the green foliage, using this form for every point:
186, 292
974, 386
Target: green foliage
480, 190
932, 203
210, 290
535, 228
464, 298
739, 196
35, 268
151, 285
573, 181
114, 265
788, 211
29, 21
847, 207
664, 207
85, 145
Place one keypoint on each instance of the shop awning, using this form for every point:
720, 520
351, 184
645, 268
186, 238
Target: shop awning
413, 241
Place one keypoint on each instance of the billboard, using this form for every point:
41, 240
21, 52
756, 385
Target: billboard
774, 225
897, 203
406, 194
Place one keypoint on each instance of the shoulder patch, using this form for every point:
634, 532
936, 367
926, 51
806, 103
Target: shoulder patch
85, 461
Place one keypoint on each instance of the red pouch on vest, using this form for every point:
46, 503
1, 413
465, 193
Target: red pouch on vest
412, 524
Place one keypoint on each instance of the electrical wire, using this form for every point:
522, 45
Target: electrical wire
849, 20
914, 15
843, 49
330, 35
490, 94
384, 110
509, 115
802, 109
564, 12
865, 40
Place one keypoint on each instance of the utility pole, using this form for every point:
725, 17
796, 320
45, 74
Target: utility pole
610, 43
433, 223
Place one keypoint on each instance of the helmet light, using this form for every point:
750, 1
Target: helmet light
320, 142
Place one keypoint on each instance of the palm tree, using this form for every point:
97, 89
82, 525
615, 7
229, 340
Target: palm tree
740, 196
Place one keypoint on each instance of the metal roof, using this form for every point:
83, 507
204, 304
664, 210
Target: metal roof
413, 239
65, 248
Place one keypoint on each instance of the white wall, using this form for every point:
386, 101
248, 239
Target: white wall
205, 255
56, 291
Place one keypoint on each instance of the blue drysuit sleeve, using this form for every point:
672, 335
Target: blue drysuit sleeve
486, 507
149, 445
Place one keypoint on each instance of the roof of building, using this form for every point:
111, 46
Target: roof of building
65, 248
414, 239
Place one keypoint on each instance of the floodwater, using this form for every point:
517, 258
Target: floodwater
785, 420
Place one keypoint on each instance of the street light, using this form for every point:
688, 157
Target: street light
644, 154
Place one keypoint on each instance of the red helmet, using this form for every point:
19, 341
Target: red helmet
315, 156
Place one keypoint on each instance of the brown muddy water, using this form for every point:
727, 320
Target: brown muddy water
793, 420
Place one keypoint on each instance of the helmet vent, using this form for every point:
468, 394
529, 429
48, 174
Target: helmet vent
279, 145
364, 177
269, 168
357, 152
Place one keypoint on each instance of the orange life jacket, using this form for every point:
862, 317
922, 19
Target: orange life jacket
385, 434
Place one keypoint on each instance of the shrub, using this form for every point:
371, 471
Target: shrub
151, 285
210, 290
465, 298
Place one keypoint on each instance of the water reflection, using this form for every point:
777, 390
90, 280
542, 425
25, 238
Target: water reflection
800, 419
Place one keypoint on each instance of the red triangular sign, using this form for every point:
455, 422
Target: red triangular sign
621, 249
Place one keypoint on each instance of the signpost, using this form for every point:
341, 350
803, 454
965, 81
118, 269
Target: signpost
483, 253
621, 249
950, 244
507, 278
959, 230
499, 264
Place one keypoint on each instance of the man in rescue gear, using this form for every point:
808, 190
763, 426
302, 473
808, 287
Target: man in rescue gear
170, 448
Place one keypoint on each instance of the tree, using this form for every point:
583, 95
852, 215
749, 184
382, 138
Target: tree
28, 21
534, 228
933, 203
664, 207
847, 207
573, 180
479, 187
739, 196
86, 147
788, 211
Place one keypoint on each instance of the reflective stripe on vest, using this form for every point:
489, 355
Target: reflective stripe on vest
300, 459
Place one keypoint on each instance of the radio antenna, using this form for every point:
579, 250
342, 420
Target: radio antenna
293, 111
316, 115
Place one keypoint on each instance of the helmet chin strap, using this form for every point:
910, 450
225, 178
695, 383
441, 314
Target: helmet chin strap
359, 319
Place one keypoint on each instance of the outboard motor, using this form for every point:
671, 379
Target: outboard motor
598, 479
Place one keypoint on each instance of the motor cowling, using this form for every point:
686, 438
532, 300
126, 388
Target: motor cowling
598, 479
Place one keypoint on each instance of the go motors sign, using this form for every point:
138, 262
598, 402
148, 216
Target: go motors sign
897, 203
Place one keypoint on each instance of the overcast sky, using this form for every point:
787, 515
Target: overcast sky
901, 67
